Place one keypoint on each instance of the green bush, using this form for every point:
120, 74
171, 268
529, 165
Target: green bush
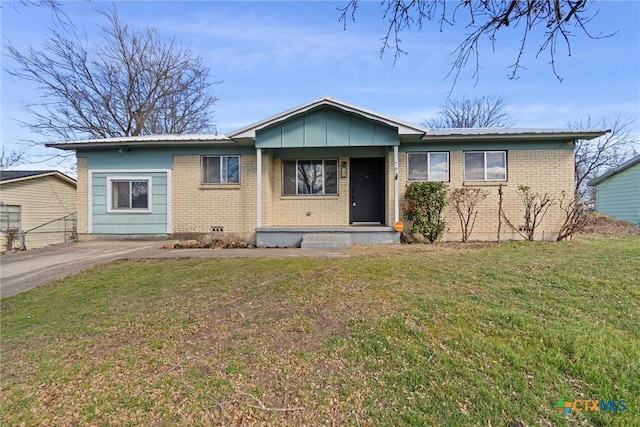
425, 202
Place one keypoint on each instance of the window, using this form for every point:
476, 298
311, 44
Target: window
129, 194
10, 217
309, 177
485, 166
428, 166
221, 170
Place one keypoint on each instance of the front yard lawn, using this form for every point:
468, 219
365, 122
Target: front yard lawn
451, 334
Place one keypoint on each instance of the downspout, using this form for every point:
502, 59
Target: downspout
396, 198
258, 187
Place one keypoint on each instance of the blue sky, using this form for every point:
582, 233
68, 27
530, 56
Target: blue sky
273, 56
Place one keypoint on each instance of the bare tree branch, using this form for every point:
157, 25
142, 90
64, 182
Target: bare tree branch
134, 83
58, 16
10, 158
464, 201
596, 156
575, 217
553, 21
535, 206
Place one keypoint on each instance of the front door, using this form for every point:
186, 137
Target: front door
367, 191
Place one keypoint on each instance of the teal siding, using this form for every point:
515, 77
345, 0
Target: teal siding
327, 128
619, 195
485, 145
153, 157
155, 222
326, 153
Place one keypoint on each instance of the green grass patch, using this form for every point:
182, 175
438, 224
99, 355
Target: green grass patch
409, 335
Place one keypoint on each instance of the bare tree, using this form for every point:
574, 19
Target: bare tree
485, 111
558, 20
134, 83
596, 156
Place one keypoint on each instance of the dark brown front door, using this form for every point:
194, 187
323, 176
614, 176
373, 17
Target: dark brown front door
367, 191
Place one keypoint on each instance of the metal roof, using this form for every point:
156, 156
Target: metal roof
407, 131
166, 139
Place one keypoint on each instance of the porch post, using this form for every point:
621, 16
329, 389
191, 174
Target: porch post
258, 187
396, 198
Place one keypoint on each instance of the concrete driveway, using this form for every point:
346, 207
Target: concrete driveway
21, 271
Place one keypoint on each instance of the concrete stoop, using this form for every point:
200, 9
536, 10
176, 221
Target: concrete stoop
326, 241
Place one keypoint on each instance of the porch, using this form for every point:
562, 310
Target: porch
324, 237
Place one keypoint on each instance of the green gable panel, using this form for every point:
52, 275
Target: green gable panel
269, 138
293, 133
338, 130
384, 136
361, 133
327, 128
315, 126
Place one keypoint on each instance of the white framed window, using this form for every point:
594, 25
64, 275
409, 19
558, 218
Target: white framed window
129, 194
431, 166
10, 217
310, 177
221, 169
485, 166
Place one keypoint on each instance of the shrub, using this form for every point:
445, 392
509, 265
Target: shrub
425, 202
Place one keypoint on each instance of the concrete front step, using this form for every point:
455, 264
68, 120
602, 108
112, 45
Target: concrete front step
326, 241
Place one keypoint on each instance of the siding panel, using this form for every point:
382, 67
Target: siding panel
42, 200
154, 222
327, 128
619, 195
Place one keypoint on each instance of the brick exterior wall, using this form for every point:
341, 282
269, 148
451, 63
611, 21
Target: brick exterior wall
301, 211
197, 207
82, 196
545, 171
268, 174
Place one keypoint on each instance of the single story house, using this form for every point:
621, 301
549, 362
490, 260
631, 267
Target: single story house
326, 166
618, 191
37, 208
